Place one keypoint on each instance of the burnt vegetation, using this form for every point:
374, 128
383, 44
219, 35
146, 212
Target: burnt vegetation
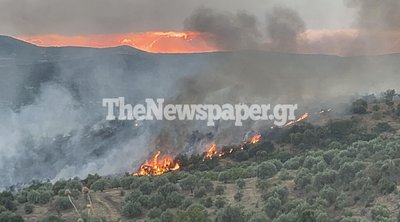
346, 169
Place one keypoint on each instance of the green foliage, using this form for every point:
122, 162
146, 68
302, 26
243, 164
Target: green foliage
388, 97
7, 201
196, 213
61, 204
8, 216
219, 190
155, 213
230, 214
174, 199
167, 189
189, 183
200, 192
219, 202
100, 185
207, 202
132, 210
238, 196
258, 217
52, 218
28, 208
379, 213
146, 188
272, 207
266, 170
359, 106
240, 183
167, 216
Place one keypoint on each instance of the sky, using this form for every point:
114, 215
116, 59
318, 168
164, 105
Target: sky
80, 17
337, 27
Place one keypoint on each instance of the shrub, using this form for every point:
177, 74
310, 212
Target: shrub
359, 106
132, 210
44, 197
174, 199
52, 218
28, 208
219, 202
230, 214
219, 190
62, 203
99, 185
146, 188
199, 193
33, 196
189, 183
207, 202
258, 217
379, 213
272, 206
8, 216
240, 183
266, 170
167, 216
197, 213
238, 196
167, 189
155, 213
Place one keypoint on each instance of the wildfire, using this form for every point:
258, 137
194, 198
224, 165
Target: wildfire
211, 152
255, 138
155, 42
300, 119
157, 166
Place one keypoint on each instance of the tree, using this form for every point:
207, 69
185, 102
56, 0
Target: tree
359, 106
197, 213
388, 97
174, 199
272, 207
8, 216
219, 202
132, 210
219, 190
240, 183
189, 183
99, 185
155, 213
52, 218
238, 196
258, 217
380, 213
167, 189
266, 170
167, 216
230, 214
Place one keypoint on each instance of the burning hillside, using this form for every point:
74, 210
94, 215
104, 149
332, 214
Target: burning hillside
158, 165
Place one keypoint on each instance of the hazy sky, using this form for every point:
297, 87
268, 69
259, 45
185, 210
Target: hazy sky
76, 17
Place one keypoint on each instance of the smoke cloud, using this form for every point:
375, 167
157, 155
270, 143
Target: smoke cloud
284, 27
231, 31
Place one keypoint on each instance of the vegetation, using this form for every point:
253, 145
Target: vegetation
345, 170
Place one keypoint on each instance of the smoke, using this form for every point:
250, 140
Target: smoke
231, 31
284, 26
377, 15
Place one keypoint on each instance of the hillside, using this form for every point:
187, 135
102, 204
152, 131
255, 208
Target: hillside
345, 169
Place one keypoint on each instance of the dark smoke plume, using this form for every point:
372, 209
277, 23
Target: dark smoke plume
231, 31
284, 25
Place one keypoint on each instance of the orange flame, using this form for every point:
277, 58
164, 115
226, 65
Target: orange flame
157, 166
300, 119
211, 152
155, 42
255, 139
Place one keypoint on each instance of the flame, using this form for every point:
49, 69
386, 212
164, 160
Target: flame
155, 42
300, 119
157, 166
211, 152
255, 139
